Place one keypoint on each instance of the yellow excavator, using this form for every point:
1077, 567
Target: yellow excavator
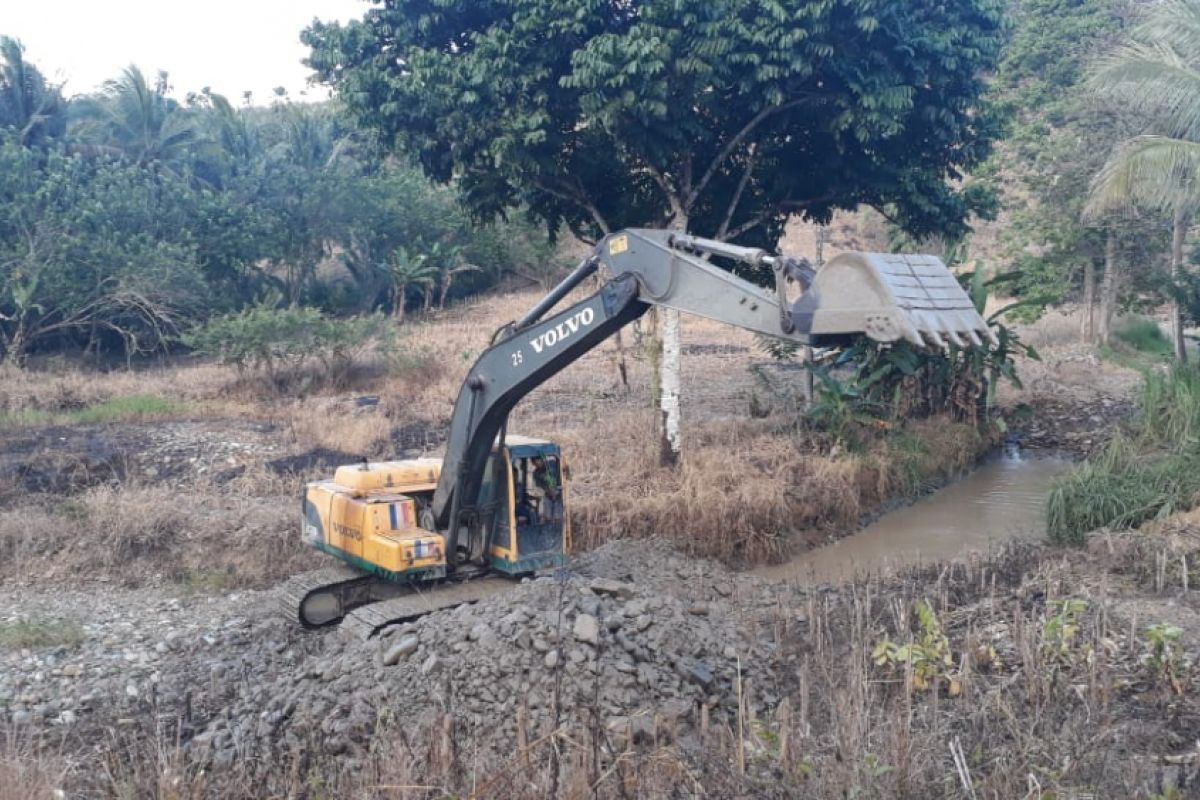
417, 535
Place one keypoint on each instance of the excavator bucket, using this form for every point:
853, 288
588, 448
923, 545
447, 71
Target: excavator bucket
889, 297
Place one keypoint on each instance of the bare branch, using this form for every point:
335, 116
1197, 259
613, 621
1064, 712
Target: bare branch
778, 208
737, 139
737, 195
577, 196
678, 211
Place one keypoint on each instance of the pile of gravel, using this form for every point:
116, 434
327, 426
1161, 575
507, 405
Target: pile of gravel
648, 657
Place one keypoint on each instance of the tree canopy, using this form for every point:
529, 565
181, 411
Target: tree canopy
728, 115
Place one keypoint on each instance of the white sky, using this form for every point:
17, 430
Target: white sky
229, 45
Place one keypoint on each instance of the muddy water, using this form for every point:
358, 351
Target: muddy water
1004, 499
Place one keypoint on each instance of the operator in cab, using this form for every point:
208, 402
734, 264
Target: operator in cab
546, 478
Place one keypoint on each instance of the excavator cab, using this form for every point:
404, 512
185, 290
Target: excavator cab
531, 527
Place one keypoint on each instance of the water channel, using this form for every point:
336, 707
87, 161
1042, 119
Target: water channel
1004, 499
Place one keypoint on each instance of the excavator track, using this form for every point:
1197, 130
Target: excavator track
417, 601
322, 597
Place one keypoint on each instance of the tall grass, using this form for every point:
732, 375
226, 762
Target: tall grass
1169, 409
1152, 472
1121, 489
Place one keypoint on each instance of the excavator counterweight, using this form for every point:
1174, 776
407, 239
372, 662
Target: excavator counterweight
498, 503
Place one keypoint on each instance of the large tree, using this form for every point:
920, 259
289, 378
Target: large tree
92, 250
722, 117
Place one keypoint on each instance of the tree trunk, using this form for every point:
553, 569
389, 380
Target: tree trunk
398, 297
19, 344
670, 440
1087, 326
1110, 287
1178, 232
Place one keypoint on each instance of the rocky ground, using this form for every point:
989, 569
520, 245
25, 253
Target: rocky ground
638, 653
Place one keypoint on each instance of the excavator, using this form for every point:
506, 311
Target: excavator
418, 535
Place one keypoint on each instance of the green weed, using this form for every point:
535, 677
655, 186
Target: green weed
1061, 627
1121, 489
1150, 473
1169, 409
36, 632
1143, 335
117, 409
1164, 654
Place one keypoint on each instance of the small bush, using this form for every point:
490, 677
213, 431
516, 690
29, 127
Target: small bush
1143, 335
40, 632
277, 344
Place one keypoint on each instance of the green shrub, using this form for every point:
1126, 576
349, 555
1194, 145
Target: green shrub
279, 343
1150, 473
38, 632
1143, 335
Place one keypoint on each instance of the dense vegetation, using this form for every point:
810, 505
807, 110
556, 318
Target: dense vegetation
127, 217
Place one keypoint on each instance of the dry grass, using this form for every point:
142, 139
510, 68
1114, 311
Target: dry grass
28, 772
749, 491
134, 533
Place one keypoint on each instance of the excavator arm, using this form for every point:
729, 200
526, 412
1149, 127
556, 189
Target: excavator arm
885, 297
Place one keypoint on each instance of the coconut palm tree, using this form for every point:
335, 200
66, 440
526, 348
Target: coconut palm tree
29, 105
139, 122
1157, 73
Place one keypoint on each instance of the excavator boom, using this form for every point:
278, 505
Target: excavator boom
885, 297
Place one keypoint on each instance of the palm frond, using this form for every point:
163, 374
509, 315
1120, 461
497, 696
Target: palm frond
1158, 172
1175, 23
1155, 80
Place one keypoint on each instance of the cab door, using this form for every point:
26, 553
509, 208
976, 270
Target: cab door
539, 517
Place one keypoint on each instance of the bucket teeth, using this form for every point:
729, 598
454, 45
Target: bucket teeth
935, 339
921, 298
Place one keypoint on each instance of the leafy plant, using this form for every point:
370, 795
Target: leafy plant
892, 381
928, 658
1061, 627
1165, 656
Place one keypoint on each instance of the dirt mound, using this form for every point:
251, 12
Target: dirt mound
649, 662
